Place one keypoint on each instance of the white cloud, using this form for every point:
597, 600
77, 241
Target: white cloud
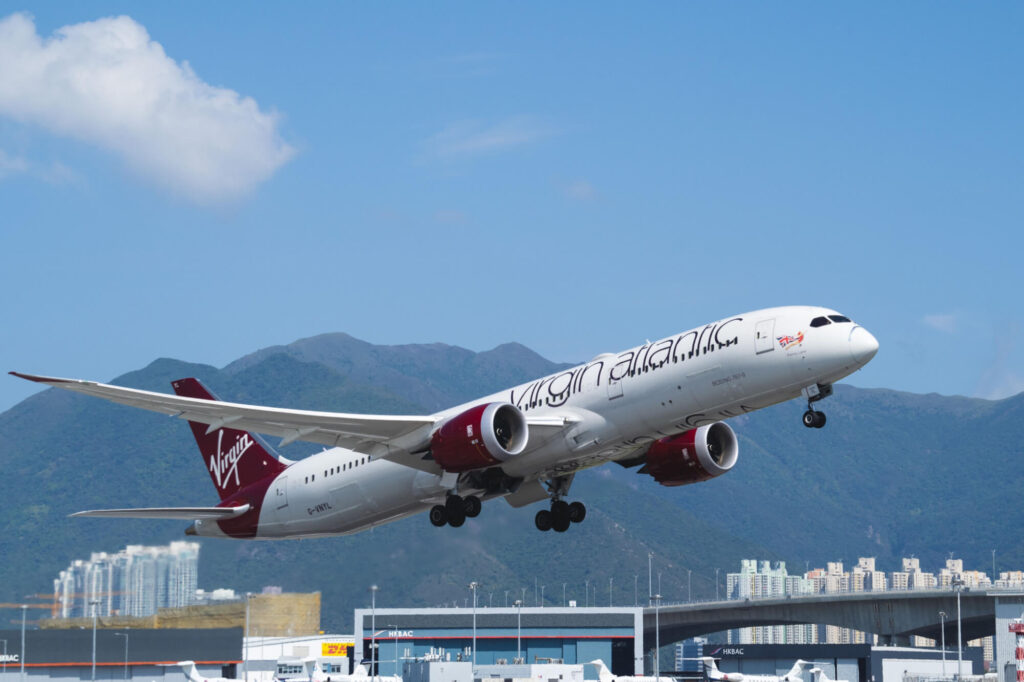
942, 323
11, 165
1003, 378
473, 138
580, 190
56, 173
107, 83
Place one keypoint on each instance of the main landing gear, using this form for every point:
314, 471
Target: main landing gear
562, 514
812, 418
455, 510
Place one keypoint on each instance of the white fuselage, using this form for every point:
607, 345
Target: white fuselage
619, 404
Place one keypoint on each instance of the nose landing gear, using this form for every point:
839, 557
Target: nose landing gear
812, 418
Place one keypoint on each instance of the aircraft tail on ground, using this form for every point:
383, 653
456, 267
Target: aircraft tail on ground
189, 667
235, 459
797, 670
603, 673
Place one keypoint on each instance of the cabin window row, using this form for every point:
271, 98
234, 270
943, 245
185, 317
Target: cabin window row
337, 470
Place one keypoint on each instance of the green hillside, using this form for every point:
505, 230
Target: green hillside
892, 474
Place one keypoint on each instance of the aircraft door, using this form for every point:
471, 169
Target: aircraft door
281, 492
614, 388
764, 339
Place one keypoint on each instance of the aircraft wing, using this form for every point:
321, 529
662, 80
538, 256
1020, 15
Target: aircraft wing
359, 432
405, 437
179, 513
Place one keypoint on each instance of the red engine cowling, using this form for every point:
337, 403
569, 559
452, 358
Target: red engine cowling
482, 436
692, 457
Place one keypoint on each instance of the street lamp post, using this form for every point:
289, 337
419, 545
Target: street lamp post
542, 595
610, 590
94, 603
21, 659
373, 631
125, 635
958, 584
636, 577
245, 649
716, 584
519, 630
587, 602
942, 617
650, 578
506, 599
473, 585
563, 595
657, 636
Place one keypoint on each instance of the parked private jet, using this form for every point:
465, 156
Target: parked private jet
192, 672
605, 675
818, 675
659, 407
795, 673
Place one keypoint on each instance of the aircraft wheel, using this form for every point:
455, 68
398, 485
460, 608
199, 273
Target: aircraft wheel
454, 504
560, 508
543, 520
457, 519
560, 519
819, 420
809, 419
438, 515
472, 506
577, 512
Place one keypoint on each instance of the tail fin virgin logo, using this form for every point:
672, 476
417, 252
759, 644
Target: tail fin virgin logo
224, 464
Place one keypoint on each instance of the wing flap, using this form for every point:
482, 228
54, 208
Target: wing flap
178, 513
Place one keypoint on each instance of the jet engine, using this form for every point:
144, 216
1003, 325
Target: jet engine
482, 436
692, 457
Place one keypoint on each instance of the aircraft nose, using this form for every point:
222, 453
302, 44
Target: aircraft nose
863, 345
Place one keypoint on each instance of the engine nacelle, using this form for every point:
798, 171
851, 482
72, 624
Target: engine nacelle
482, 436
694, 456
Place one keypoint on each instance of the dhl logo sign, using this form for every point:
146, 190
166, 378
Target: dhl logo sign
336, 648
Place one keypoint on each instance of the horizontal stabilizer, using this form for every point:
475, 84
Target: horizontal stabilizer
179, 513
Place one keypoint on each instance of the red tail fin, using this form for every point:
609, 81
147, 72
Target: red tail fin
235, 459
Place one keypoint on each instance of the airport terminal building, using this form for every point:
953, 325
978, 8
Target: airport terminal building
67, 655
503, 635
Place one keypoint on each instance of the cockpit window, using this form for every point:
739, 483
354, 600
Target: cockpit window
820, 321
838, 318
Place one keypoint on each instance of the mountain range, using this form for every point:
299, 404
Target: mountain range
892, 474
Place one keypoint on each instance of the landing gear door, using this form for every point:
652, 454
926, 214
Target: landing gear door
281, 492
764, 339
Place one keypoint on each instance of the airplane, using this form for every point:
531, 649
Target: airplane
192, 672
605, 675
659, 406
795, 673
818, 675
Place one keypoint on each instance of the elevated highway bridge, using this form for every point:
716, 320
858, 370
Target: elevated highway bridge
893, 615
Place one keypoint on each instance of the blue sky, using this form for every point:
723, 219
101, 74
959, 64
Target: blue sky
199, 181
